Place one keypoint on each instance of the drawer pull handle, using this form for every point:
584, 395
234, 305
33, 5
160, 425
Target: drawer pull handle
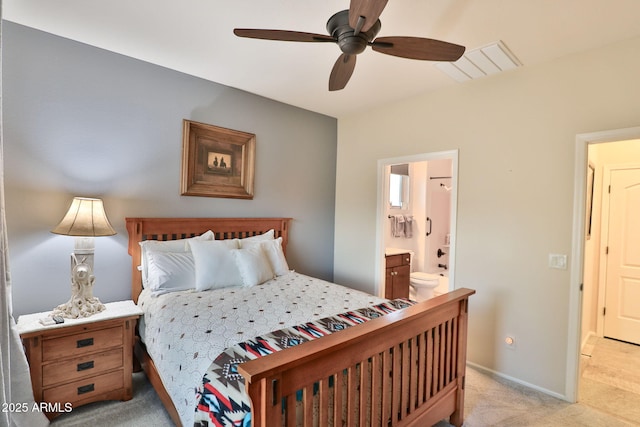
84, 343
84, 366
85, 389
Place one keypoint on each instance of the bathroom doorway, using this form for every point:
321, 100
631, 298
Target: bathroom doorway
417, 213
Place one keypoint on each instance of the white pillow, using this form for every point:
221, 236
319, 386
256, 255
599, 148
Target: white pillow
274, 253
180, 245
170, 272
269, 235
253, 265
215, 266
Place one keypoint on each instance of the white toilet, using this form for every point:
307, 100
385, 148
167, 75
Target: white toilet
423, 285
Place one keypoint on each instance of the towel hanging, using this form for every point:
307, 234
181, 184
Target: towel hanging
408, 226
397, 225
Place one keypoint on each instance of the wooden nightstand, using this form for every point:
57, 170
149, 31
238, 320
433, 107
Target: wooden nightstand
81, 360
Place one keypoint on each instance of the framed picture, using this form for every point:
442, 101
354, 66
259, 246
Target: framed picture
217, 162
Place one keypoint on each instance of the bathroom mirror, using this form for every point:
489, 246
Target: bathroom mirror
399, 186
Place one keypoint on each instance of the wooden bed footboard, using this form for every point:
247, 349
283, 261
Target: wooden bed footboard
404, 369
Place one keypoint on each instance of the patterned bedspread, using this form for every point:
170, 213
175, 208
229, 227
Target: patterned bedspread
222, 400
185, 331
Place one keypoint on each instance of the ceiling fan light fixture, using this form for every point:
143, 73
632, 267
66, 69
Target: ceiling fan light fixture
477, 63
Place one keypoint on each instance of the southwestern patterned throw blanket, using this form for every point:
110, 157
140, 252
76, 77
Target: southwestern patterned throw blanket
222, 400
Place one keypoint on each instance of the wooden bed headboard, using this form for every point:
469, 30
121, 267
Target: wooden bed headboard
141, 229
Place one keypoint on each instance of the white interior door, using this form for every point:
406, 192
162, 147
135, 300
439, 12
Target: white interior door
622, 287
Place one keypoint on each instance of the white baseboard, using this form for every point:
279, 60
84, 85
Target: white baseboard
586, 339
518, 381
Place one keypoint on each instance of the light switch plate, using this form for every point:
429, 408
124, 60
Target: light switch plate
558, 261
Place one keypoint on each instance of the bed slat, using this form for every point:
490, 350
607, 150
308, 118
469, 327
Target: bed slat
376, 384
422, 349
386, 387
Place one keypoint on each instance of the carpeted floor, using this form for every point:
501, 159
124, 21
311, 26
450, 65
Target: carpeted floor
491, 401
609, 369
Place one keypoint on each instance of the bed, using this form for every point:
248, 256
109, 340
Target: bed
405, 367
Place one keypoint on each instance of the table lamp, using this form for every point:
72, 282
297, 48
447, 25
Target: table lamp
84, 220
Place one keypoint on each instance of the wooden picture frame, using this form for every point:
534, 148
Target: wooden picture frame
217, 162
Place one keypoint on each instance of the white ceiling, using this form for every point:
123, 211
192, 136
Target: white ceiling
195, 37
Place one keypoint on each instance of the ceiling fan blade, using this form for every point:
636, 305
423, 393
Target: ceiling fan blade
418, 48
282, 35
370, 10
342, 71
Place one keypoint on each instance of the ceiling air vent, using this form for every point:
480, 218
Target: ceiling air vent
480, 62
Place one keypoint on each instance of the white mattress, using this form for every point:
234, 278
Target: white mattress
184, 331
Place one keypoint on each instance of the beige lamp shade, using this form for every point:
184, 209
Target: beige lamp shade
86, 217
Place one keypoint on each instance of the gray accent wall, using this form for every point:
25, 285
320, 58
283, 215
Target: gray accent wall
82, 121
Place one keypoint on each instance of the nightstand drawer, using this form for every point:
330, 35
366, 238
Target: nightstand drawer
80, 344
85, 389
82, 367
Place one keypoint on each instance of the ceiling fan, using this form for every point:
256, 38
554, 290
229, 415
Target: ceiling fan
355, 29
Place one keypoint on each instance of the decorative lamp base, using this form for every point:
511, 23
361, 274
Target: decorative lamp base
78, 307
82, 302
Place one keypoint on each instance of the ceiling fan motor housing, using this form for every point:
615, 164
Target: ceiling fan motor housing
349, 42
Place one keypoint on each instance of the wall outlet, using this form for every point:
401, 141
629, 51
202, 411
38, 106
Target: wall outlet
510, 342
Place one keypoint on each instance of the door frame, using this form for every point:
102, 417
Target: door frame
577, 247
380, 215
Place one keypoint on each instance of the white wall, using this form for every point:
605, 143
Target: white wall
516, 134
